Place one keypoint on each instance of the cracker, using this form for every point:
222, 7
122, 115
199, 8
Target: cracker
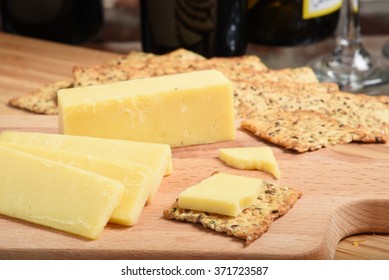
368, 114
42, 100
136, 66
179, 61
285, 75
272, 202
301, 130
251, 98
132, 57
362, 112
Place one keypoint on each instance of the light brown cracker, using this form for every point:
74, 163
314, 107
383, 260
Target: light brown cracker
369, 114
362, 112
272, 202
179, 61
301, 130
253, 98
137, 66
42, 100
285, 75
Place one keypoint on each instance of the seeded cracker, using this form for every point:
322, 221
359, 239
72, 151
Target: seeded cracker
172, 63
272, 202
42, 100
301, 130
252, 98
368, 114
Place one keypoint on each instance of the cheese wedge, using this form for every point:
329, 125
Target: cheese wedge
156, 156
56, 195
261, 158
221, 193
135, 177
179, 110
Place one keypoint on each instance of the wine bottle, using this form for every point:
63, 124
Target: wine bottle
292, 22
65, 21
208, 27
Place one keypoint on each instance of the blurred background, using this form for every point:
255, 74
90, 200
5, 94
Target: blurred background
121, 29
121, 32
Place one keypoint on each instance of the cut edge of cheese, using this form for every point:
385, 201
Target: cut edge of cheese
260, 158
56, 195
137, 178
222, 193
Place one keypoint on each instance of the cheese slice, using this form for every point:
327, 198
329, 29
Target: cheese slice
261, 158
156, 156
221, 193
179, 110
56, 195
135, 177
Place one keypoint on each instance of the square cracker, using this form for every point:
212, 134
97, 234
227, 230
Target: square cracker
301, 130
272, 202
369, 114
251, 98
284, 75
42, 100
171, 63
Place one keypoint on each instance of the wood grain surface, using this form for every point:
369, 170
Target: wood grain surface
346, 188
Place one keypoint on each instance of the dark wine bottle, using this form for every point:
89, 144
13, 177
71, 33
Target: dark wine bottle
208, 27
292, 22
66, 21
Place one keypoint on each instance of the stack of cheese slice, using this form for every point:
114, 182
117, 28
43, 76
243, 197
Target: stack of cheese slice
78, 184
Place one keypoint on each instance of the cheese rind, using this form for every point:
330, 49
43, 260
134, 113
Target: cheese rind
222, 193
136, 178
261, 158
56, 195
157, 156
179, 110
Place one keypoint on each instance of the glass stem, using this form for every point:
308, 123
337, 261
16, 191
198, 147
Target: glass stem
351, 31
350, 47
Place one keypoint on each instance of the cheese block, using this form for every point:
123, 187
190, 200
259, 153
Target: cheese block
157, 156
179, 110
221, 193
56, 195
135, 177
261, 158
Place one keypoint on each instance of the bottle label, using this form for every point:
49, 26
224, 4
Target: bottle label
318, 8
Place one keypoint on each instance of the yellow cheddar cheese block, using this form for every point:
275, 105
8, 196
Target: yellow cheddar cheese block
261, 158
179, 110
135, 177
221, 193
56, 195
157, 156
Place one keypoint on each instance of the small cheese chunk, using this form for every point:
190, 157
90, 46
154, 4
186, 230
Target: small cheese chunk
135, 177
157, 156
261, 158
179, 110
222, 193
56, 195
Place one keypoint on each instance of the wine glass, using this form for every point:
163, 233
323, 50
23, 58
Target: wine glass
350, 65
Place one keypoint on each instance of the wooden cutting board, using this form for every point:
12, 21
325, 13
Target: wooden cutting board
346, 191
